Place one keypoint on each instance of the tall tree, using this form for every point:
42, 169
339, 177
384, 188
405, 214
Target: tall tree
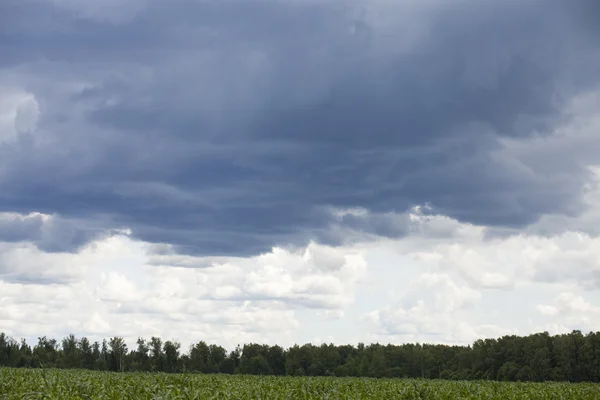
141, 357
88, 359
46, 352
537, 357
200, 357
70, 355
118, 350
156, 354
171, 350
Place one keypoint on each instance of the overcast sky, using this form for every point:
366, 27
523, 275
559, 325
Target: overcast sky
299, 171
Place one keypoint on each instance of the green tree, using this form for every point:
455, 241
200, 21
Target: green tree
217, 356
232, 362
46, 352
118, 350
156, 354
276, 359
200, 358
87, 354
171, 351
70, 355
141, 357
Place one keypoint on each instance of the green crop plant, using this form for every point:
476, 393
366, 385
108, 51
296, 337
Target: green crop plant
94, 385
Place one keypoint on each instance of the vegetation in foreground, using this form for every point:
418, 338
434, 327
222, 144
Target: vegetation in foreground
81, 384
573, 357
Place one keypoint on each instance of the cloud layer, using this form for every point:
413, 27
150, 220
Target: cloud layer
442, 282
271, 170
251, 120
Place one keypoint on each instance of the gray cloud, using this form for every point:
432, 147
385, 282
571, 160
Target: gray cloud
227, 127
48, 233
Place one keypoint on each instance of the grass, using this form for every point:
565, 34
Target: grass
78, 384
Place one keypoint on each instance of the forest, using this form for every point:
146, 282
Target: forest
573, 357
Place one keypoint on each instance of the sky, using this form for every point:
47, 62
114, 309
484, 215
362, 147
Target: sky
299, 171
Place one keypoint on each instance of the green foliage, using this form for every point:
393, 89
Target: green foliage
95, 385
573, 357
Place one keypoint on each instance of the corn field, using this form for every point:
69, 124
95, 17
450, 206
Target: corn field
79, 384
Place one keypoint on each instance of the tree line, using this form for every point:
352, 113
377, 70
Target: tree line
571, 357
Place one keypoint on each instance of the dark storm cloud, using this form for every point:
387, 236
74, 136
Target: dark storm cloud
48, 233
229, 127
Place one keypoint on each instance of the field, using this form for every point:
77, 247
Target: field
78, 384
